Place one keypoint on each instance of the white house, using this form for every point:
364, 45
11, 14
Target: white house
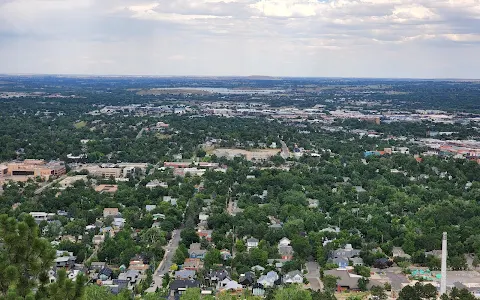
252, 243
269, 279
118, 222
203, 217
284, 242
293, 277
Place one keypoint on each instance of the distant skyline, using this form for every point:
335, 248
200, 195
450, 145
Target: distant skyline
280, 38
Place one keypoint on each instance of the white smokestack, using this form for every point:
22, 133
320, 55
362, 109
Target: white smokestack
443, 281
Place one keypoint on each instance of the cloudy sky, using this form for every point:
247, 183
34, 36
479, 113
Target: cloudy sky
344, 38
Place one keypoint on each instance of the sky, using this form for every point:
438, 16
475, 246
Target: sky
308, 38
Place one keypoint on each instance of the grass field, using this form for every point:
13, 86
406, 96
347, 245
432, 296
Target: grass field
80, 124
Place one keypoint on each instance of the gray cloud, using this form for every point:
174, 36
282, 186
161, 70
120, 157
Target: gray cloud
274, 37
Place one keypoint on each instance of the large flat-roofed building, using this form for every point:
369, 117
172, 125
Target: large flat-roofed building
34, 167
103, 172
3, 170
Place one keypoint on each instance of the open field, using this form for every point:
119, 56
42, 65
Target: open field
81, 124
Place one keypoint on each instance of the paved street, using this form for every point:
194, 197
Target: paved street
166, 262
313, 276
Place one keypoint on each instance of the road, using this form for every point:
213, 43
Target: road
139, 135
42, 188
285, 152
313, 276
166, 263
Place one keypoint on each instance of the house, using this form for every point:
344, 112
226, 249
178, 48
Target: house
156, 183
67, 262
347, 252
356, 261
110, 212
359, 189
108, 230
225, 253
117, 285
277, 263
195, 251
140, 266
157, 217
293, 277
269, 280
247, 279
284, 242
398, 252
341, 262
105, 273
346, 280
284, 249
185, 275
276, 226
169, 199
342, 257
258, 268
436, 253
312, 203
252, 243
230, 286
203, 217
42, 216
178, 287
149, 208
258, 290
216, 276
286, 252
132, 276
194, 264
382, 263
205, 234
97, 266
118, 222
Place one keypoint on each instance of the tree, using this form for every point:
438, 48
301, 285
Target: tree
94, 292
189, 236
362, 283
379, 292
362, 271
66, 289
153, 235
179, 257
191, 294
330, 282
458, 262
240, 246
166, 280
428, 291
317, 295
321, 255
408, 293
25, 258
212, 257
301, 247
293, 292
462, 294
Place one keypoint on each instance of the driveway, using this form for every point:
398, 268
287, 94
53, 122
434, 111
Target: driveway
313, 276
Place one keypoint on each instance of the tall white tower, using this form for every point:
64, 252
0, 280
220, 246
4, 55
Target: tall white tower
443, 282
